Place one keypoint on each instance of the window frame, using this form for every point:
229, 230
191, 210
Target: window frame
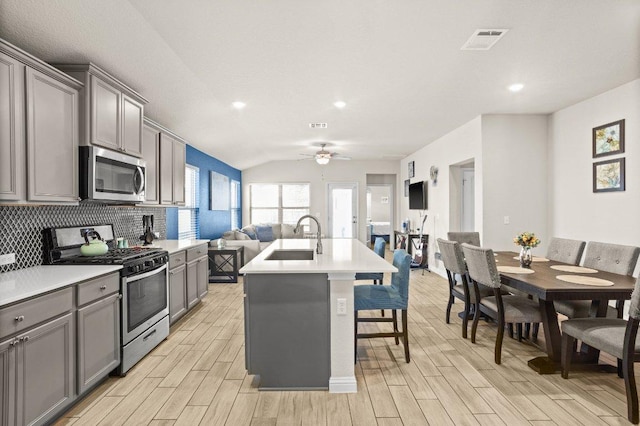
280, 208
194, 208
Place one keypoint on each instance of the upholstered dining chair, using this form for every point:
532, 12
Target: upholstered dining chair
614, 336
394, 297
565, 250
614, 258
481, 265
453, 261
379, 246
472, 238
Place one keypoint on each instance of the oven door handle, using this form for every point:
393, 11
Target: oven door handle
133, 278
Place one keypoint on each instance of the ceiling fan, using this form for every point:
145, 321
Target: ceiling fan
323, 156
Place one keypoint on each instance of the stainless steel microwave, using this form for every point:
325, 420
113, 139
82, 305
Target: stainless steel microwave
110, 177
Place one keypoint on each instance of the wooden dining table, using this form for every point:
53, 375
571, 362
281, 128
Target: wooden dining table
545, 285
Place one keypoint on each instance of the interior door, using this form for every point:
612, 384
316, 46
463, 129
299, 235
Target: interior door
467, 223
342, 211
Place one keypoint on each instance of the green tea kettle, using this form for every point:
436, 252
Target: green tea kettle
95, 247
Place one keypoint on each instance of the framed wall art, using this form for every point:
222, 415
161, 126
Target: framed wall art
412, 170
608, 139
406, 187
608, 175
220, 194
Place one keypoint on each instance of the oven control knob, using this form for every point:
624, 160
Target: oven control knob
148, 263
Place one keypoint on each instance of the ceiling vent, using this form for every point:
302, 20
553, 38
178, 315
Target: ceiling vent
483, 39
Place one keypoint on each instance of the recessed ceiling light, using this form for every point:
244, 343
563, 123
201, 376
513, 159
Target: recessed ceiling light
340, 104
516, 87
238, 105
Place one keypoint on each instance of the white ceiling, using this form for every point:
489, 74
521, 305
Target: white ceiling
396, 63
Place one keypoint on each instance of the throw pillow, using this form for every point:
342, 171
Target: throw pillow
287, 231
265, 233
229, 235
239, 235
252, 235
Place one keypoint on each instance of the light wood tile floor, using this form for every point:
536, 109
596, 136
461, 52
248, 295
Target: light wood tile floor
197, 376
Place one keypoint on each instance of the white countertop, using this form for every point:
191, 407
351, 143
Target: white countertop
25, 283
339, 256
173, 246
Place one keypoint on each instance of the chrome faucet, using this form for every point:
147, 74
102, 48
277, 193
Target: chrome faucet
315, 219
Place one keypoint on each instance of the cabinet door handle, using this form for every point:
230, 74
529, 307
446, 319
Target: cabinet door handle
103, 287
120, 297
24, 339
13, 342
20, 318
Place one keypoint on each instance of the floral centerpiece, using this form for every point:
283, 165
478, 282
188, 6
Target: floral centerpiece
526, 241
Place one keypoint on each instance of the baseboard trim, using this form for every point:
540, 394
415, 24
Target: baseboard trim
346, 384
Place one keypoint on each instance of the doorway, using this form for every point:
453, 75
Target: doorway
379, 212
342, 211
467, 205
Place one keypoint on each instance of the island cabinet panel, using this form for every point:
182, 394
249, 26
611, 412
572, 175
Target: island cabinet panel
287, 330
12, 127
52, 139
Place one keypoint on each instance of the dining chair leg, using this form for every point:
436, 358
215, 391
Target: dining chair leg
449, 304
474, 325
405, 336
534, 333
527, 330
465, 319
510, 330
394, 314
566, 354
499, 338
379, 282
519, 331
619, 366
632, 391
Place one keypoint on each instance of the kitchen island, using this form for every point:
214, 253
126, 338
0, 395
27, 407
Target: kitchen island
299, 322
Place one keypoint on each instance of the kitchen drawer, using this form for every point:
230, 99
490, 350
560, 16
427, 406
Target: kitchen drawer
177, 259
98, 288
197, 252
21, 316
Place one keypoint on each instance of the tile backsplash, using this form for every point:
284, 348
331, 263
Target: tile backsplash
21, 226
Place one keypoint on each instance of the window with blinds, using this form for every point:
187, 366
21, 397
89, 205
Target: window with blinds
188, 216
279, 203
235, 204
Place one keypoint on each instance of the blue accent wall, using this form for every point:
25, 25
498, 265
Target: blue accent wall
212, 223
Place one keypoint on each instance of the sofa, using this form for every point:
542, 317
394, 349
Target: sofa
255, 238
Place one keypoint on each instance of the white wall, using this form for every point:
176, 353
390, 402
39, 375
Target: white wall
380, 212
514, 164
459, 146
574, 210
318, 177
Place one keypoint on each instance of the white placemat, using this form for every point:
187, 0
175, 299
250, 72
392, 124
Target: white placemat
581, 279
575, 269
535, 259
515, 270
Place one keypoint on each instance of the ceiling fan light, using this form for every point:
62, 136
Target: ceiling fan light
323, 159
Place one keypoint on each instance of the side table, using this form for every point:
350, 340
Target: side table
225, 263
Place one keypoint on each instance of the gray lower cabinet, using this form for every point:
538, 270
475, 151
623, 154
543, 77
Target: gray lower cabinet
203, 277
98, 340
192, 284
44, 364
7, 382
177, 292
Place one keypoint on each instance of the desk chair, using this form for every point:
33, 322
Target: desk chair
614, 258
394, 297
481, 264
472, 238
614, 336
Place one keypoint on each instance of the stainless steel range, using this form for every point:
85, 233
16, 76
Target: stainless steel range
143, 286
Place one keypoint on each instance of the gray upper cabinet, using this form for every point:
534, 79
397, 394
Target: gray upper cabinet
170, 159
12, 127
151, 155
112, 112
52, 139
39, 118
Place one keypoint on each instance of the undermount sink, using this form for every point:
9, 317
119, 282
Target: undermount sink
291, 254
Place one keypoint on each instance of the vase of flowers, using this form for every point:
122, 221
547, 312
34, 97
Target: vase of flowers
526, 241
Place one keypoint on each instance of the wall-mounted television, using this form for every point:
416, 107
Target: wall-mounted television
418, 196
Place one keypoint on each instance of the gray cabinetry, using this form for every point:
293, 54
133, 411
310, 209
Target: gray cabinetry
98, 333
52, 139
112, 112
12, 128
177, 286
203, 277
197, 274
192, 284
39, 115
165, 155
287, 330
151, 155
7, 382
